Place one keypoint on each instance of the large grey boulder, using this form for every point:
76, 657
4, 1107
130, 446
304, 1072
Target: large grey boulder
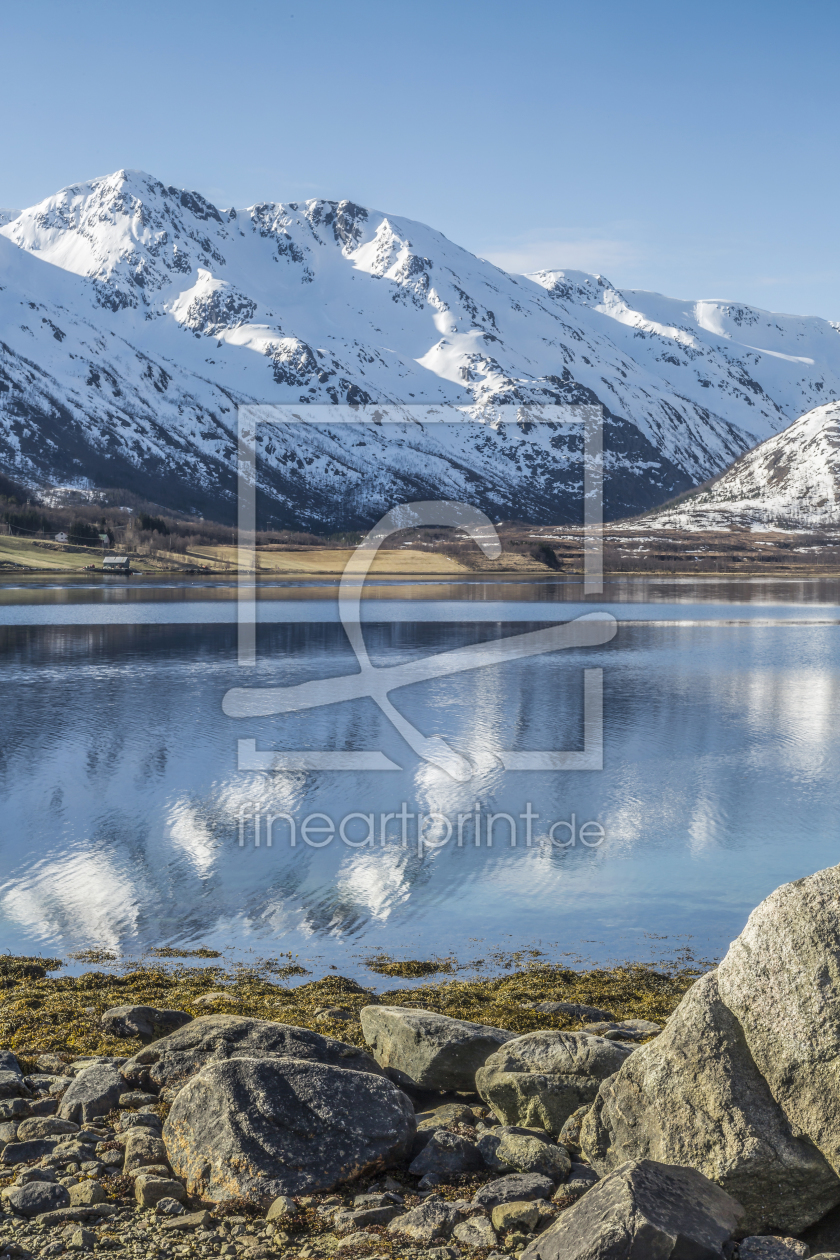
653, 1211
539, 1080
781, 981
216, 1038
27, 1152
258, 1128
94, 1092
146, 1022
694, 1097
424, 1050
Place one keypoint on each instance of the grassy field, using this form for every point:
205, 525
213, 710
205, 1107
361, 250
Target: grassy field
298, 562
45, 555
327, 561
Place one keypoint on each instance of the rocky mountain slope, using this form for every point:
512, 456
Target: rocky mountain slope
792, 479
135, 317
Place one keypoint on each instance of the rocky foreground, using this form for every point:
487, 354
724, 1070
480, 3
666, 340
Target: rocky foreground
715, 1135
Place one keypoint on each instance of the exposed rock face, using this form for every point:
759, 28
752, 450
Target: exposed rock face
643, 1209
781, 980
695, 1097
429, 1051
213, 1038
771, 1247
26, 1152
623, 1029
517, 1215
146, 1022
539, 1080
824, 1236
94, 1092
259, 1128
744, 1084
570, 1133
429, 1122
86, 1194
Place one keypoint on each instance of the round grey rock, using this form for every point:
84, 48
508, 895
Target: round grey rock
36, 1197
539, 1080
511, 1189
260, 1128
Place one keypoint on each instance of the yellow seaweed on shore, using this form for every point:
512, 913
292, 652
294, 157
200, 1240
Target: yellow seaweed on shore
61, 1013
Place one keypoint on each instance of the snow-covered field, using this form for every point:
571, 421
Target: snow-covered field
134, 318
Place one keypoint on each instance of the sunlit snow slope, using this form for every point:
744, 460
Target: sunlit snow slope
791, 480
134, 317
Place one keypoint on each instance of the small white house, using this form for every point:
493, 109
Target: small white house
61, 537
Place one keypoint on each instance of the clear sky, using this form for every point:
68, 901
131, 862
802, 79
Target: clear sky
690, 149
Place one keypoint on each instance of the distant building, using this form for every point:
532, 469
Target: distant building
61, 537
117, 562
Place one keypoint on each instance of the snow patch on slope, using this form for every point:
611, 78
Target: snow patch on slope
791, 479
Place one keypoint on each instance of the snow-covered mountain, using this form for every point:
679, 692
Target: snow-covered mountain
134, 317
792, 479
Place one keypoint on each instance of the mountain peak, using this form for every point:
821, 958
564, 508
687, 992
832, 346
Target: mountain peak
156, 311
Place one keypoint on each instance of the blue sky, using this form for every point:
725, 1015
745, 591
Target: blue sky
690, 149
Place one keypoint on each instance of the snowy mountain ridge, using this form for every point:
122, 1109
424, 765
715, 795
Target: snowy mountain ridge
135, 316
790, 480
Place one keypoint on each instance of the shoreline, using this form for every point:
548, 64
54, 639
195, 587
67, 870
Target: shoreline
43, 1011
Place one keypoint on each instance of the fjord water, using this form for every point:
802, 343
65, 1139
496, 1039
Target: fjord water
127, 823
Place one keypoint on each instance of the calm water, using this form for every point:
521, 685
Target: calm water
127, 822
